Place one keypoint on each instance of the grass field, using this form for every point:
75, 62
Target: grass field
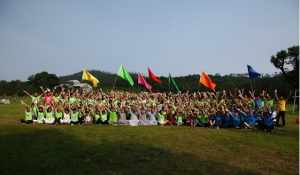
42, 149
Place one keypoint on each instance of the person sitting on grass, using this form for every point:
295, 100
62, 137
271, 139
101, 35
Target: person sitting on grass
143, 118
203, 119
97, 114
66, 119
161, 117
171, 117
35, 100
113, 117
265, 121
151, 114
59, 113
28, 117
75, 115
211, 118
122, 120
134, 121
179, 118
250, 120
40, 115
219, 117
103, 116
87, 115
236, 119
227, 119
49, 119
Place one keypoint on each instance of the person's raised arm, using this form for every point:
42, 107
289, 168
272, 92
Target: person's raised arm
224, 94
252, 94
230, 94
23, 103
240, 94
27, 93
43, 90
275, 94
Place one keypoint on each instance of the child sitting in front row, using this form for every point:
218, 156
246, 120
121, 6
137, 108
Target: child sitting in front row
28, 114
40, 115
66, 119
50, 119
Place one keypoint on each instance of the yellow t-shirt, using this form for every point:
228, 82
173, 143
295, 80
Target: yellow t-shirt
281, 105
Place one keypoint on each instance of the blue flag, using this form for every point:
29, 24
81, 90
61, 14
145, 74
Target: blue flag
252, 73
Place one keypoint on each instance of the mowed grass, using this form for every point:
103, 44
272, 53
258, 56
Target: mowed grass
44, 149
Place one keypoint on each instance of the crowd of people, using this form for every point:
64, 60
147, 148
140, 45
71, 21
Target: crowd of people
220, 109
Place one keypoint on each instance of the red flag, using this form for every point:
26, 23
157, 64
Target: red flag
206, 81
142, 81
153, 76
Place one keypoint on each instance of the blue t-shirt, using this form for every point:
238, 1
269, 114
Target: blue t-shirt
227, 121
236, 121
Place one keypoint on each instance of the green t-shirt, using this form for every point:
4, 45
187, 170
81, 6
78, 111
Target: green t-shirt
251, 103
270, 103
72, 100
161, 117
28, 116
41, 116
103, 117
203, 118
116, 102
57, 99
97, 116
179, 119
59, 115
113, 118
49, 115
75, 115
35, 100
35, 110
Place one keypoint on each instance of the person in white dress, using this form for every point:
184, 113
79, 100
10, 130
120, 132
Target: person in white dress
66, 118
151, 115
134, 121
122, 120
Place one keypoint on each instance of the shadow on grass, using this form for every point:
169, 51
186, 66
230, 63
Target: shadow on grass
50, 151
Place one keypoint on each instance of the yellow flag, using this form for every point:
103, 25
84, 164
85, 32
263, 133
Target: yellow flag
89, 77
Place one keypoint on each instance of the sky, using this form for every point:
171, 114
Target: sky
170, 36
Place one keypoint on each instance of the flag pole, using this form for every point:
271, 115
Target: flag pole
169, 80
115, 81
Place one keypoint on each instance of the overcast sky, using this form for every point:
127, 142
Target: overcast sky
176, 36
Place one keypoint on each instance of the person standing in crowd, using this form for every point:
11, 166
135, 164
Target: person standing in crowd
281, 107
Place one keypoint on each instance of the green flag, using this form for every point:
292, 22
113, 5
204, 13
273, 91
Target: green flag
125, 75
173, 82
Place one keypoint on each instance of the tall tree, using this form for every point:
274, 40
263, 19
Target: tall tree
287, 61
44, 79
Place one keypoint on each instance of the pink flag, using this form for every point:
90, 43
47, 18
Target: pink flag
153, 77
142, 81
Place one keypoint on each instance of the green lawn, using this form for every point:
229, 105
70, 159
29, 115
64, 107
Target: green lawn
42, 149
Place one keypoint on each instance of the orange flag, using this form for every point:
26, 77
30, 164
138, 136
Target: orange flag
206, 81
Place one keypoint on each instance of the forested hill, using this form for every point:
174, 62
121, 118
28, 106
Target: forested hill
189, 82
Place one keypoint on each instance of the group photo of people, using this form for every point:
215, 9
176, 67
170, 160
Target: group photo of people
215, 109
153, 87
